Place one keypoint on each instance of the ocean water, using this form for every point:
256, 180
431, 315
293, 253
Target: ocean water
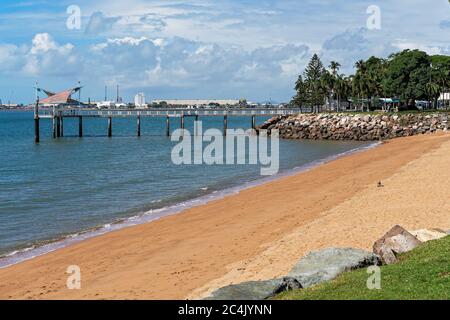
64, 190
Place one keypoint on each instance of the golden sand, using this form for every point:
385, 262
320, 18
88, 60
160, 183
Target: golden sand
256, 234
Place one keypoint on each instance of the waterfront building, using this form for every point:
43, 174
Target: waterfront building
198, 102
139, 100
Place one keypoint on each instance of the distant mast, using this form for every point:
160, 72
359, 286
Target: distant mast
106, 93
117, 98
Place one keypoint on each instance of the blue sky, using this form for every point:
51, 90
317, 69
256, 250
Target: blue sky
201, 49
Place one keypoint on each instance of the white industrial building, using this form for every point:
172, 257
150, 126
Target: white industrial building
139, 100
198, 102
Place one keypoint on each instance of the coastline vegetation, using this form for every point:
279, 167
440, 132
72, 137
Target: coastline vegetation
401, 80
423, 273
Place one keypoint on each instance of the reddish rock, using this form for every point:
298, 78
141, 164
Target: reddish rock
395, 241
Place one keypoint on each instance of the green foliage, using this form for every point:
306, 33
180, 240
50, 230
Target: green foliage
408, 75
315, 92
423, 273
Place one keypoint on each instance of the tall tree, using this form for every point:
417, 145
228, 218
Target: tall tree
314, 83
300, 97
408, 76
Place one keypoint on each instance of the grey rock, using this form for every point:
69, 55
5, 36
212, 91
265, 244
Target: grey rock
251, 290
288, 284
358, 127
327, 264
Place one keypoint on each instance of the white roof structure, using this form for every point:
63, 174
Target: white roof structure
197, 102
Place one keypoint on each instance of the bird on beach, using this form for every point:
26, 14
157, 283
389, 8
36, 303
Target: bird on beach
380, 185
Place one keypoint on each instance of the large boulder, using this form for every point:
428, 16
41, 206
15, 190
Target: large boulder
395, 241
425, 235
327, 264
316, 267
250, 290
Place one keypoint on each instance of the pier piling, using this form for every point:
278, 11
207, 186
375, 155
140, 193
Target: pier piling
80, 126
167, 126
225, 124
62, 125
182, 121
196, 125
139, 125
109, 127
58, 126
36, 121
54, 127
253, 122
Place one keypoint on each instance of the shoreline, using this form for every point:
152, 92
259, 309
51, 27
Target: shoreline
23, 254
186, 254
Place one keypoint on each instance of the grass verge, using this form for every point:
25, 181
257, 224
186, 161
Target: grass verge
423, 273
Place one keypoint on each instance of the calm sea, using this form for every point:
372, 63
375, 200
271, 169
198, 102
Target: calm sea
68, 189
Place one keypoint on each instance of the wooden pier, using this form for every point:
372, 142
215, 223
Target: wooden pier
57, 116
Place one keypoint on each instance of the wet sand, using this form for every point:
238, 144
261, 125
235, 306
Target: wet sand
256, 234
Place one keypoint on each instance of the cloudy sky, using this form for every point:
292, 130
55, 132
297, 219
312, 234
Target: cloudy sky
201, 48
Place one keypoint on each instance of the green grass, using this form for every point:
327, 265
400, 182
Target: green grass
423, 273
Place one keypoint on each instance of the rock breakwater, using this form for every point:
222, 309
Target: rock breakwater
361, 127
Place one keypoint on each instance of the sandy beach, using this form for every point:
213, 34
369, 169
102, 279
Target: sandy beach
256, 234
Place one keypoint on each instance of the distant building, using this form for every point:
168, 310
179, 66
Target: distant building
104, 104
445, 96
198, 102
139, 100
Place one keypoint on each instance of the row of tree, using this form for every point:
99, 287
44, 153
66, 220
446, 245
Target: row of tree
404, 77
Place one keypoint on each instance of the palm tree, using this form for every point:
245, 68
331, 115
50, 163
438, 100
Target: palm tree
433, 91
327, 83
334, 66
443, 80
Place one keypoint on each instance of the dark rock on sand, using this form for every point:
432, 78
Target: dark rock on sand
395, 241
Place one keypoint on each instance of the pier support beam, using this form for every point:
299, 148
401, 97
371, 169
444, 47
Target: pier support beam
58, 127
109, 127
62, 125
225, 124
196, 125
80, 126
253, 122
139, 125
54, 127
167, 126
36, 120
182, 121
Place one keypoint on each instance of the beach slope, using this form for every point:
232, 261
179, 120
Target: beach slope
256, 234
